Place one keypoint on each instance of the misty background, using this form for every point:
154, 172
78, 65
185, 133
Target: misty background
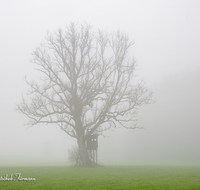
167, 50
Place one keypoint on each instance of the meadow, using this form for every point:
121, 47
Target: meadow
107, 177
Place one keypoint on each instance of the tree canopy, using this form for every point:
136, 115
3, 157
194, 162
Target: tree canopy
88, 83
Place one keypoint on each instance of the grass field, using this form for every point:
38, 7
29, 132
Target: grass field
108, 177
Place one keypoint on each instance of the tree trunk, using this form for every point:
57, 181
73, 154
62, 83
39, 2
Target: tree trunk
84, 157
83, 153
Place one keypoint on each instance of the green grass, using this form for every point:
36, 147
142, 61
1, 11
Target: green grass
108, 177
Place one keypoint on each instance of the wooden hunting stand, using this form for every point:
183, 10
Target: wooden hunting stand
92, 145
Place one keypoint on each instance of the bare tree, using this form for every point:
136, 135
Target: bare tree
88, 84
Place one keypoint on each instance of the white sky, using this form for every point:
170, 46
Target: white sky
167, 42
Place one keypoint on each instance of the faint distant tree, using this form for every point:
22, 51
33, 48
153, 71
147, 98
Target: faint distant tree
88, 84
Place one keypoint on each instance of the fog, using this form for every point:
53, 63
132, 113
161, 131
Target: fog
167, 46
171, 127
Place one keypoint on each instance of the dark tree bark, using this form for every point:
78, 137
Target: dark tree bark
88, 84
